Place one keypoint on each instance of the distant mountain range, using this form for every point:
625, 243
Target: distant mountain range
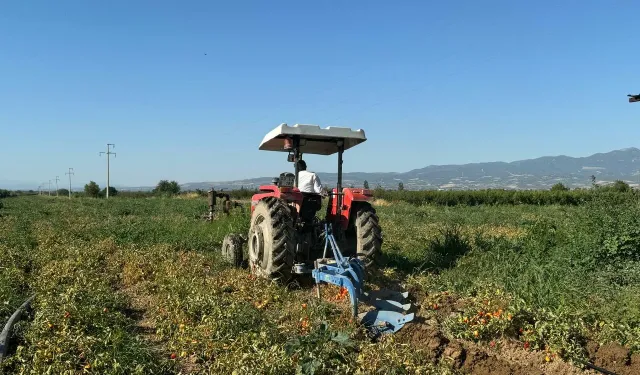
540, 173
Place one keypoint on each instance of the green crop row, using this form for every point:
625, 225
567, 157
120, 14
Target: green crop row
500, 197
566, 274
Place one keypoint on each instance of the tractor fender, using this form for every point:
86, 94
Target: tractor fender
350, 199
289, 195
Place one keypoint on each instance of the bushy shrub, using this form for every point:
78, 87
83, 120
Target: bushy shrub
6, 193
164, 187
559, 187
112, 192
92, 189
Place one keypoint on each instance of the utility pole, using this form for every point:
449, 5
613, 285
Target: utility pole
108, 153
57, 179
49, 187
69, 173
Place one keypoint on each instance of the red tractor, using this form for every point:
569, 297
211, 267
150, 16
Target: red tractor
286, 237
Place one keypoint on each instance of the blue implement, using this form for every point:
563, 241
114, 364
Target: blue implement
382, 321
349, 273
387, 300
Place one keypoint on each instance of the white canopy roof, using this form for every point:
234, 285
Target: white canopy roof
313, 139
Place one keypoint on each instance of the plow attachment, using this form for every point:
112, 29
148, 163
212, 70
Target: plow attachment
389, 313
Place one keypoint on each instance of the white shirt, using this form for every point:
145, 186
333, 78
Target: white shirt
308, 182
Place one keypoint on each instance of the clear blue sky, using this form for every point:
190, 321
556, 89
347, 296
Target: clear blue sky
431, 82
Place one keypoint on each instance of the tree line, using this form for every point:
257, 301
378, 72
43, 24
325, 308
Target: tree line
559, 194
164, 188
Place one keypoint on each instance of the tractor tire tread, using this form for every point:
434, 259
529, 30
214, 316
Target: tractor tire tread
369, 234
281, 242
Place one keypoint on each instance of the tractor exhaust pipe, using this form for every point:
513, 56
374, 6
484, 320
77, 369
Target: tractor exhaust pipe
296, 156
339, 187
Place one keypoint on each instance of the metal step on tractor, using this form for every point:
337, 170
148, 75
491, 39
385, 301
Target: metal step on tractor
286, 238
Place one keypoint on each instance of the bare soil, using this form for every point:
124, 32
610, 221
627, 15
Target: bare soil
470, 358
479, 362
420, 334
615, 358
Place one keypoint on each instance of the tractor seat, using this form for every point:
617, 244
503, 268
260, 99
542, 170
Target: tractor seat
311, 203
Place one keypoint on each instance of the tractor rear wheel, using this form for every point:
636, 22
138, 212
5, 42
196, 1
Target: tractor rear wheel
365, 237
232, 249
271, 240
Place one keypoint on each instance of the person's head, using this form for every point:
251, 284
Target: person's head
302, 166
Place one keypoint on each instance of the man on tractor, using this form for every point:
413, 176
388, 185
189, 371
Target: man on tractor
308, 182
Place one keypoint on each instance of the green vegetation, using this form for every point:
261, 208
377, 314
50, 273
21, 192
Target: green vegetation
555, 196
92, 189
620, 186
559, 187
136, 286
112, 192
559, 194
565, 275
167, 188
6, 193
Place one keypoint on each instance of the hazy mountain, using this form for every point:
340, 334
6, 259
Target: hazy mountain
537, 173
17, 185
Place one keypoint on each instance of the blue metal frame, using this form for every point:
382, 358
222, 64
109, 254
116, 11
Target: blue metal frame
349, 274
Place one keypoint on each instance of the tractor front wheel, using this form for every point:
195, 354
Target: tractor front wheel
365, 237
271, 240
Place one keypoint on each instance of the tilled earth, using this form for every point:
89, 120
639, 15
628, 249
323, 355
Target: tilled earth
509, 357
472, 358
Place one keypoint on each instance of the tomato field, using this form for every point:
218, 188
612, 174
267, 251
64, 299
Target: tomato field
137, 286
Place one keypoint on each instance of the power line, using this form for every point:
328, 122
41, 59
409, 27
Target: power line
108, 153
57, 179
69, 173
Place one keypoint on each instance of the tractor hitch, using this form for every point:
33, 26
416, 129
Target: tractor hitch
388, 315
